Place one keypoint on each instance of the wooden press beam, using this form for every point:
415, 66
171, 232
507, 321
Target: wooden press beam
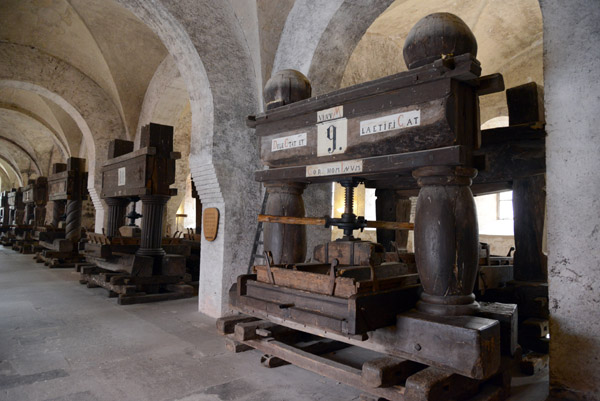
320, 221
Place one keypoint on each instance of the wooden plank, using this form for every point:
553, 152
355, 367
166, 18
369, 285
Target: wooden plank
146, 298
320, 365
374, 166
432, 128
317, 283
226, 324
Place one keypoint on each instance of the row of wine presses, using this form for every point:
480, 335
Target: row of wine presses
134, 264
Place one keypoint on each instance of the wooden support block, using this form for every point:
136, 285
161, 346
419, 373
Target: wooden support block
226, 324
173, 265
130, 231
388, 371
247, 331
62, 245
533, 363
507, 315
270, 361
525, 104
119, 147
534, 328
235, 346
433, 384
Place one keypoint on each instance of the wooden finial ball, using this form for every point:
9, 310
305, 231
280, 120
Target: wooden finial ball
285, 87
437, 35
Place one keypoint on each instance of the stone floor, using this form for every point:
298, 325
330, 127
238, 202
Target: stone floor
60, 341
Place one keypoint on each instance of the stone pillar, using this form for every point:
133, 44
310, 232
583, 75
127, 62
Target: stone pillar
287, 242
152, 221
571, 88
446, 240
116, 215
73, 226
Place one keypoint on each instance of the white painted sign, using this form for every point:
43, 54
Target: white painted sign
288, 142
121, 177
330, 114
332, 137
391, 122
335, 168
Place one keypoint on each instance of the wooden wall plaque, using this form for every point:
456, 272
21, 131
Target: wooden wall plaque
210, 223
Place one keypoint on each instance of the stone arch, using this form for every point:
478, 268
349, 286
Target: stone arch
223, 151
20, 147
96, 116
57, 137
13, 167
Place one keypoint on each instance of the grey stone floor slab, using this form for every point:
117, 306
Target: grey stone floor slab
61, 341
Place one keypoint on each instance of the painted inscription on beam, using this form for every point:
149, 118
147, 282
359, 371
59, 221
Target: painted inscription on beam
335, 168
391, 122
288, 142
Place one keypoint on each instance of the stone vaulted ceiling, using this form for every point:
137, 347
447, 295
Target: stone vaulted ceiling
101, 40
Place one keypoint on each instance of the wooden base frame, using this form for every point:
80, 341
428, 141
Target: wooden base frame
380, 376
134, 290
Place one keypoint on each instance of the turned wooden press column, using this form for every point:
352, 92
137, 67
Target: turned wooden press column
29, 208
287, 242
76, 194
153, 207
446, 240
116, 215
18, 216
40, 197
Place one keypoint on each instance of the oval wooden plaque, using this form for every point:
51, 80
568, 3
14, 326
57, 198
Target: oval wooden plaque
210, 223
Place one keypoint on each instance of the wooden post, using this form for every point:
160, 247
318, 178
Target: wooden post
390, 206
4, 210
286, 242
58, 209
29, 212
446, 240
116, 215
76, 168
39, 215
18, 215
529, 201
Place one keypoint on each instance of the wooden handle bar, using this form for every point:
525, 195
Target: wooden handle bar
317, 221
